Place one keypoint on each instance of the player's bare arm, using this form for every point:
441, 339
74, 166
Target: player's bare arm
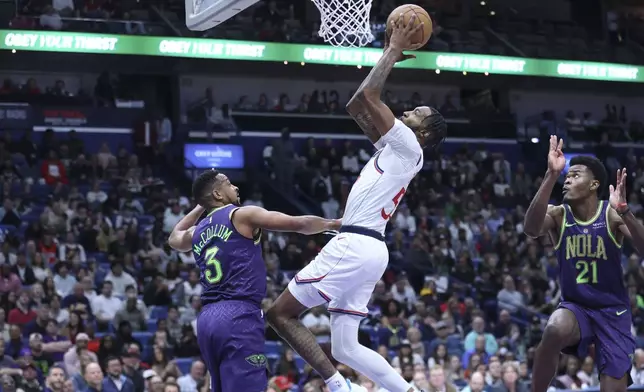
252, 217
542, 218
627, 225
370, 113
181, 237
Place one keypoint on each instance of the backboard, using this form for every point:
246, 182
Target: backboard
202, 15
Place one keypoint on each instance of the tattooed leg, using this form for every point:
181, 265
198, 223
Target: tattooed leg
283, 316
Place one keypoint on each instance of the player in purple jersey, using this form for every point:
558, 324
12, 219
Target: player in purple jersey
587, 234
227, 248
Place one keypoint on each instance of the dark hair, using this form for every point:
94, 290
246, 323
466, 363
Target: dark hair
112, 358
171, 385
435, 125
596, 167
58, 367
203, 185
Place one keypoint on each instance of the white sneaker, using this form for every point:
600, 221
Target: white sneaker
355, 387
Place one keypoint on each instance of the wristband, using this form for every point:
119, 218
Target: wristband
622, 209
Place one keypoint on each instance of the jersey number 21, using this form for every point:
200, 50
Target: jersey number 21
213, 271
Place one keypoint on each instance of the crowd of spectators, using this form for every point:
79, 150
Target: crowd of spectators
92, 298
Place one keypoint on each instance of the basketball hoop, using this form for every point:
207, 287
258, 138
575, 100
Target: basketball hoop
345, 22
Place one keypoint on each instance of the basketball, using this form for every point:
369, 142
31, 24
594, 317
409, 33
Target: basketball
407, 10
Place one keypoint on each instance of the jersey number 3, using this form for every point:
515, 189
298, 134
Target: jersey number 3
213, 271
396, 201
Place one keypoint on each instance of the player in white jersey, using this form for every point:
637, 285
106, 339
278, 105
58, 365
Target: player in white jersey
347, 269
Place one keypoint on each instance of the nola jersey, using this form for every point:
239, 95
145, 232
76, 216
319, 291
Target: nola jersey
232, 266
384, 179
590, 268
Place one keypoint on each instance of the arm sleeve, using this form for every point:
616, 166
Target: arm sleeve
403, 142
380, 144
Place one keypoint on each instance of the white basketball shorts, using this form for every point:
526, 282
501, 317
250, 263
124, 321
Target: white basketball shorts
344, 274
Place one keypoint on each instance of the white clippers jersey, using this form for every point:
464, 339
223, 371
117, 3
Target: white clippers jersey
384, 179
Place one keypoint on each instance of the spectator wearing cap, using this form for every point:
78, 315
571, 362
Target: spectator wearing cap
115, 380
9, 281
132, 366
190, 381
72, 358
478, 329
22, 314
93, 377
42, 359
29, 381
120, 279
106, 306
55, 381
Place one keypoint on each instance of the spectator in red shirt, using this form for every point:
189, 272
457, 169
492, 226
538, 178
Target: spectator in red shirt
22, 314
48, 247
8, 280
53, 170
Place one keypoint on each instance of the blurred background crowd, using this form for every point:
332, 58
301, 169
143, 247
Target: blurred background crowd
93, 299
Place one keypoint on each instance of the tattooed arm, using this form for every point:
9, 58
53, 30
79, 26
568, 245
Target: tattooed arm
369, 112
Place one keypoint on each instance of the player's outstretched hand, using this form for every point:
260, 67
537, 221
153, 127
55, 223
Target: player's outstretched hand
402, 56
617, 197
403, 34
556, 158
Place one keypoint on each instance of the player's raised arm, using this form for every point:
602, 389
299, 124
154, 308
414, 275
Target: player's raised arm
538, 218
628, 224
372, 115
257, 217
181, 237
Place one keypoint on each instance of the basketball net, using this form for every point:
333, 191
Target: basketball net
345, 22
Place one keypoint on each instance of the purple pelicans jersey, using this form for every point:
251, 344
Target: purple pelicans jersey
232, 266
592, 287
230, 327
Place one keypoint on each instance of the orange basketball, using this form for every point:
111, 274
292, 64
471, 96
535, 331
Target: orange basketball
407, 10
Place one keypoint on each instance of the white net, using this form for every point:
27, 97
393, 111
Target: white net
345, 22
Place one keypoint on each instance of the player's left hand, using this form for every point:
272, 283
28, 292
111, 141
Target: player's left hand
617, 197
